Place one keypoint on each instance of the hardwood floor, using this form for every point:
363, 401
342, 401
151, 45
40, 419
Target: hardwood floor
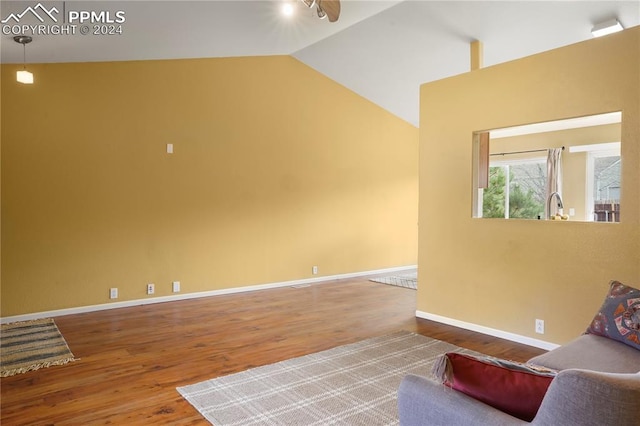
132, 359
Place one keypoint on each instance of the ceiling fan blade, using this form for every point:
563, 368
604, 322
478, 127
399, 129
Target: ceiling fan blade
331, 8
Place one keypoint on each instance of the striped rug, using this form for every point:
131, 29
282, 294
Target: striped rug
349, 385
406, 280
31, 345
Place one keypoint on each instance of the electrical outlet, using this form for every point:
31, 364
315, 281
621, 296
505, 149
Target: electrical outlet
314, 270
540, 326
176, 286
151, 288
113, 293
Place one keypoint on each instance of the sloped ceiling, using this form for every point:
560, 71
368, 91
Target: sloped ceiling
382, 50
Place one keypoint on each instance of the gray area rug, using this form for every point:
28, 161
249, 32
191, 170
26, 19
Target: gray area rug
404, 280
354, 384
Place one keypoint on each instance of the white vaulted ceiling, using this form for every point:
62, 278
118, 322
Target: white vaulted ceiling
382, 50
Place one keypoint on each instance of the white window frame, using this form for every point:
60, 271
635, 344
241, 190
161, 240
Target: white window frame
506, 164
597, 151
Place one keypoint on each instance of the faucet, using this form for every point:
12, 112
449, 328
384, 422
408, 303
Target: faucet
560, 206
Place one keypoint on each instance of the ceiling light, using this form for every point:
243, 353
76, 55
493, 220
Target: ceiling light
287, 9
24, 76
607, 27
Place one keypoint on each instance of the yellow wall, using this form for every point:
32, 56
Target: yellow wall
276, 169
503, 274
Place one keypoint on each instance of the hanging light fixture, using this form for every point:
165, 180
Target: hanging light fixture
23, 75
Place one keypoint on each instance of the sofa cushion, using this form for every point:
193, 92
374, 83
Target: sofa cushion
591, 352
619, 316
513, 388
424, 402
585, 397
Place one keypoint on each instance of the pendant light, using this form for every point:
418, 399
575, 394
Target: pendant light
23, 75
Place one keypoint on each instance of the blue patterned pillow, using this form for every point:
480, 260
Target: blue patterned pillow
619, 316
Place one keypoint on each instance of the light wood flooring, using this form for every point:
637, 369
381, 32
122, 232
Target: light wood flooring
132, 359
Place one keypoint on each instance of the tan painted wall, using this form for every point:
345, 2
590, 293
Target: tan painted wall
276, 169
504, 274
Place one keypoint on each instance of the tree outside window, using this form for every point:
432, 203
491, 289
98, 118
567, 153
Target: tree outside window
516, 190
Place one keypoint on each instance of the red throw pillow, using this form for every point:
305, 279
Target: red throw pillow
513, 388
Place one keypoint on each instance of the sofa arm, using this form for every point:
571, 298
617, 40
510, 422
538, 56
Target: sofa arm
585, 398
422, 402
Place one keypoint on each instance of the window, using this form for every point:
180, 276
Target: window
510, 170
516, 189
603, 182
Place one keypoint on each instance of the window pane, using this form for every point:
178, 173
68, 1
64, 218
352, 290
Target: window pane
527, 190
516, 190
606, 188
493, 197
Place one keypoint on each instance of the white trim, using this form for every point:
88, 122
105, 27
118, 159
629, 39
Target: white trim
613, 147
186, 296
487, 330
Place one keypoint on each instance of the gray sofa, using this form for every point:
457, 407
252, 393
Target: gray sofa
598, 384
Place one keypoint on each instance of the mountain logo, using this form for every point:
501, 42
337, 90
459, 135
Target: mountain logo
38, 11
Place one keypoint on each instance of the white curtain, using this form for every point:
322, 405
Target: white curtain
554, 179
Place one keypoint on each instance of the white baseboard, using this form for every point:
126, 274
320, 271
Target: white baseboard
487, 330
186, 296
